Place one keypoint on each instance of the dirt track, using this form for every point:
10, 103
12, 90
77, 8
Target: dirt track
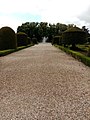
43, 83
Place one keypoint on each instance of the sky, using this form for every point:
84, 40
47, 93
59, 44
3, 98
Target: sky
15, 12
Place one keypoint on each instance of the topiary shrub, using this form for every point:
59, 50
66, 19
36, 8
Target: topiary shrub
29, 40
74, 36
57, 40
22, 39
60, 40
34, 40
7, 38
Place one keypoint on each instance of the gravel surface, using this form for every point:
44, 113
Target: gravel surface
43, 83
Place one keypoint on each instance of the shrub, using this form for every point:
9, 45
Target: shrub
88, 53
60, 40
88, 39
6, 52
77, 55
22, 39
29, 40
34, 40
74, 36
57, 40
7, 38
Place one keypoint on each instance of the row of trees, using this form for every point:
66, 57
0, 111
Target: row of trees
69, 33
39, 30
33, 32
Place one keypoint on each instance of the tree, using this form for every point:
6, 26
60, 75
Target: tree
42, 29
74, 36
85, 30
60, 28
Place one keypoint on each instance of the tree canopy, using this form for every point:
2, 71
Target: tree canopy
44, 29
39, 30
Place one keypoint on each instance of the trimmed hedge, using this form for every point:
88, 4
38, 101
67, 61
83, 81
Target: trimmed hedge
57, 40
77, 55
7, 38
34, 40
29, 40
6, 52
74, 36
22, 39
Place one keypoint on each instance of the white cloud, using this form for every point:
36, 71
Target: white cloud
65, 11
9, 21
84, 18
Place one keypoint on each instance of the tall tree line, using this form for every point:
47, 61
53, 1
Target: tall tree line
39, 30
44, 29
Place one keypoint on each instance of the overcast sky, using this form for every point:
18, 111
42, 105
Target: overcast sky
15, 12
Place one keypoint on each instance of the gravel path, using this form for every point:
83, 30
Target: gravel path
43, 83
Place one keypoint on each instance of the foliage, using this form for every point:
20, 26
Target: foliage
9, 51
83, 47
42, 29
88, 39
85, 30
7, 38
34, 40
6, 52
57, 40
60, 28
74, 36
22, 39
88, 53
29, 40
77, 55
70, 26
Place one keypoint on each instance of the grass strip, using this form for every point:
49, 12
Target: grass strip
6, 52
76, 55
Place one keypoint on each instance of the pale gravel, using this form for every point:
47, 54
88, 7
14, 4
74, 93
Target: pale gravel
43, 83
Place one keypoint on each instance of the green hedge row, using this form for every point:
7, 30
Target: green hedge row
10, 40
6, 52
77, 55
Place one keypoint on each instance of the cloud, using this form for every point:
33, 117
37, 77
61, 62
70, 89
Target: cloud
16, 19
65, 11
85, 17
9, 21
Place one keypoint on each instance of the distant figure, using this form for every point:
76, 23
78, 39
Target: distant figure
44, 39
